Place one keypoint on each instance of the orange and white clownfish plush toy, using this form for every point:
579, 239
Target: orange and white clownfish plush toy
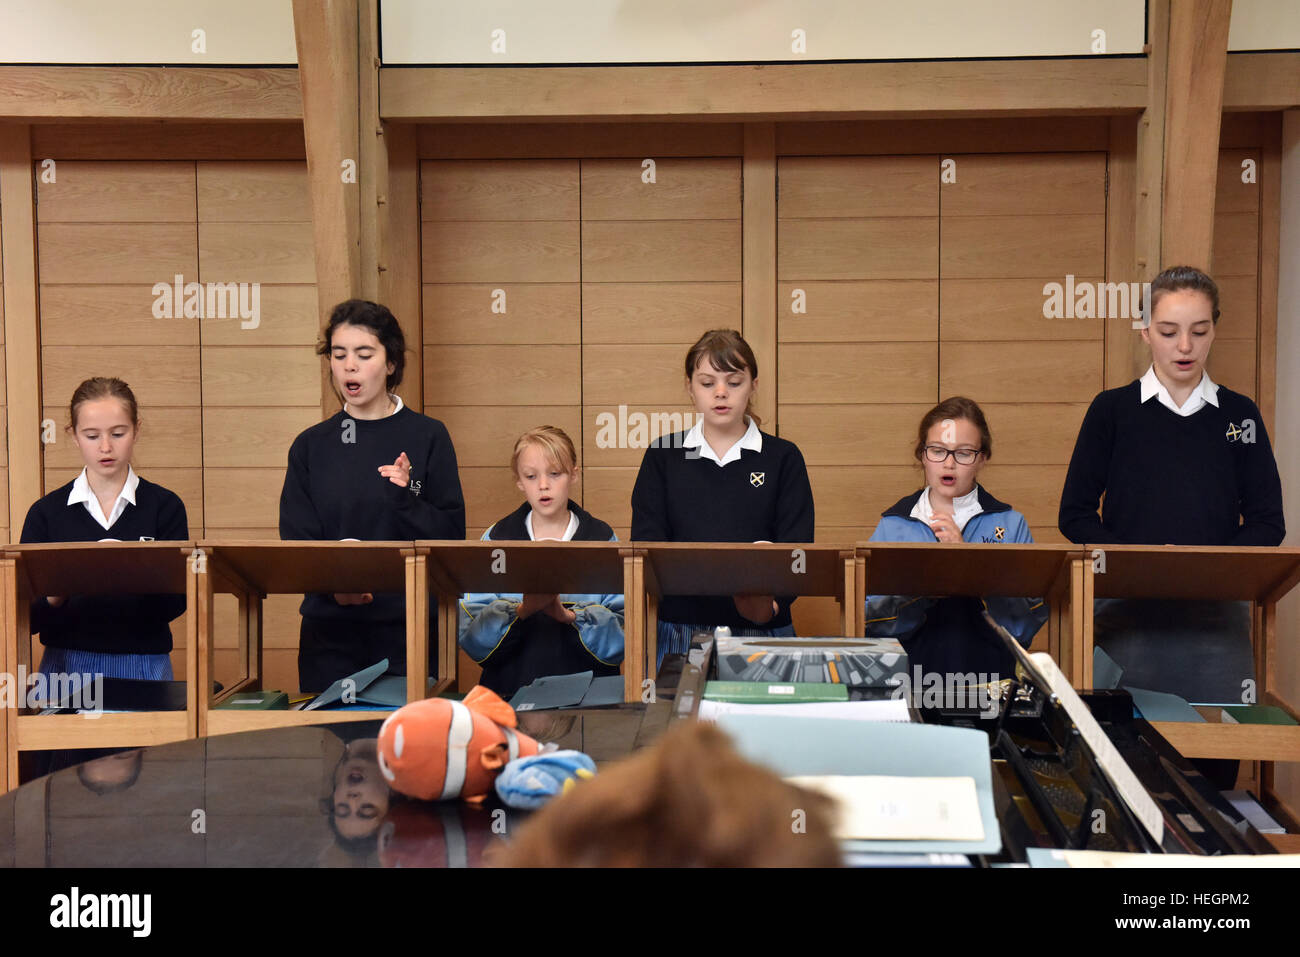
438, 749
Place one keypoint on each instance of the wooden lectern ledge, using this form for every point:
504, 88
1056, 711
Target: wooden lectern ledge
434, 574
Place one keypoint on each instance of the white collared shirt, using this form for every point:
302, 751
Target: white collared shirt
752, 440
964, 507
395, 398
81, 492
568, 532
1205, 392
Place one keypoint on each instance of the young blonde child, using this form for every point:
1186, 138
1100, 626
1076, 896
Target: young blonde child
517, 638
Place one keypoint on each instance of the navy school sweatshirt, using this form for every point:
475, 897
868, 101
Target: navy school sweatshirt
116, 624
333, 490
681, 496
1204, 479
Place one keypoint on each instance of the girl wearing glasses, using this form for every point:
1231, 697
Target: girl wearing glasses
947, 635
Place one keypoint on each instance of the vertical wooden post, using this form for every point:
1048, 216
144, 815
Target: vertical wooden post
417, 624
634, 624
758, 262
1084, 618
1149, 174
1198, 56
650, 623
22, 344
848, 617
199, 637
372, 161
860, 590
325, 32
8, 640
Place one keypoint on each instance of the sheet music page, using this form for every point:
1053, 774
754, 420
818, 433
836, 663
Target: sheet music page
879, 807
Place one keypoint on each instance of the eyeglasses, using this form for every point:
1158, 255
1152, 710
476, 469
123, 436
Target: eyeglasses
937, 453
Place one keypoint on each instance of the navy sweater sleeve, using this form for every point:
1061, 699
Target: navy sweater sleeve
1085, 481
298, 517
1261, 491
795, 505
649, 507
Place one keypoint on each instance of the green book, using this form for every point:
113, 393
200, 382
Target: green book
774, 692
1255, 714
256, 701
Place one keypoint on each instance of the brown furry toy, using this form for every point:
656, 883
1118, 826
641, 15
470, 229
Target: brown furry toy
688, 801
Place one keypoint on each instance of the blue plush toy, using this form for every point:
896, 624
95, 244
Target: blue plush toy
530, 782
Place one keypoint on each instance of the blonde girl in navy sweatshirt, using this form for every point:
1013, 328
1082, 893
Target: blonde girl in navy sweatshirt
518, 638
117, 636
374, 471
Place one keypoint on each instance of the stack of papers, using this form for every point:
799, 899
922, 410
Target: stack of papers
894, 808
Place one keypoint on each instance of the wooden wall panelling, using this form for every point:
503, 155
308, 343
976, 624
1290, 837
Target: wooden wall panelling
1261, 81
661, 265
857, 313
159, 140
761, 92
1237, 253
1012, 225
758, 261
400, 281
261, 378
495, 141
98, 93
1270, 241
113, 237
903, 137
1124, 347
500, 269
19, 335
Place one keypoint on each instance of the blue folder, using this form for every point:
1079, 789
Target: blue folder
809, 746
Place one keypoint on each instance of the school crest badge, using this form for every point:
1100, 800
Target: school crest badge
1234, 433
757, 478
999, 533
